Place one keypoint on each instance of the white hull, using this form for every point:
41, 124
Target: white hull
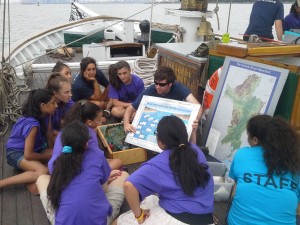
36, 46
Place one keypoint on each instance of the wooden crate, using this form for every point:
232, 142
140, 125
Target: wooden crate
128, 156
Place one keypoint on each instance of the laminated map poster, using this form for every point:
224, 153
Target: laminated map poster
245, 88
149, 113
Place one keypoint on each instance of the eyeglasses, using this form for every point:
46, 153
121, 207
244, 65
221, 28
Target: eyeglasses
160, 84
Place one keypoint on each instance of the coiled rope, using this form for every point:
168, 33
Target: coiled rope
9, 96
145, 68
2, 105
10, 92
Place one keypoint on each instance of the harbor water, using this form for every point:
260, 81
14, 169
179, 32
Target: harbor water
27, 20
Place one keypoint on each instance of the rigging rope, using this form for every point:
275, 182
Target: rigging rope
76, 14
145, 69
9, 92
177, 36
216, 10
150, 31
8, 9
229, 13
3, 33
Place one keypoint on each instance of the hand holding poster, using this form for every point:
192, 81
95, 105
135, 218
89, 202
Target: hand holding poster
149, 113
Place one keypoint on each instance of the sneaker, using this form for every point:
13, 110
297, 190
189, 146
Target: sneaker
106, 113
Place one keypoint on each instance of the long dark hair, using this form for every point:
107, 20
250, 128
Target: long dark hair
293, 9
68, 165
114, 79
85, 62
183, 160
82, 110
280, 143
32, 107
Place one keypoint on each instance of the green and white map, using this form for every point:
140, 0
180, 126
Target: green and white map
247, 90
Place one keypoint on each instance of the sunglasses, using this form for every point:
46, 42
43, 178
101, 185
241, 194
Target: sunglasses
160, 84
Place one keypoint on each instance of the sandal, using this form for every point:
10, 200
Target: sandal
106, 113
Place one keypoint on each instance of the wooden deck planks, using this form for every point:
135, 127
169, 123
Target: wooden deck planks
17, 205
8, 199
221, 212
23, 208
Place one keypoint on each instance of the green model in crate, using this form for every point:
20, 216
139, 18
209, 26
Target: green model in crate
115, 137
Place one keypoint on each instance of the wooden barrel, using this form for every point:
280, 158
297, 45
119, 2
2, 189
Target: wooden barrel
187, 71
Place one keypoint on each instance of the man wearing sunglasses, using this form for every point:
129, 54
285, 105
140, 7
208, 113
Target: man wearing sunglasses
165, 86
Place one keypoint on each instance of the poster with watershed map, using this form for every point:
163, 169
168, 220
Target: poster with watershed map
150, 111
245, 88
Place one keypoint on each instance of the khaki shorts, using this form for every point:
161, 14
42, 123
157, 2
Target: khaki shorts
47, 207
157, 214
115, 196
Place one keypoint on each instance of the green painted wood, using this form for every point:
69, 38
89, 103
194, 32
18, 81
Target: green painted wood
95, 38
160, 36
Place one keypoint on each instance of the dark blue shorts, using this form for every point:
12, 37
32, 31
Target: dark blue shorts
14, 158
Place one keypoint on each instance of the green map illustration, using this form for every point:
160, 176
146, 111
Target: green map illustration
245, 104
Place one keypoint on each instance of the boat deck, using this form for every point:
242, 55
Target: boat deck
18, 206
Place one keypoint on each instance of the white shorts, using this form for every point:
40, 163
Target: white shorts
115, 196
47, 207
157, 214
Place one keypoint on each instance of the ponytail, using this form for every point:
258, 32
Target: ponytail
68, 165
188, 172
183, 160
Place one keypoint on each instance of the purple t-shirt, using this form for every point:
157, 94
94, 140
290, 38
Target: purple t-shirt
156, 176
127, 92
59, 114
21, 130
291, 22
83, 201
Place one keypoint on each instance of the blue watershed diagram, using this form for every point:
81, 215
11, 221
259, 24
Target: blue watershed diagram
151, 116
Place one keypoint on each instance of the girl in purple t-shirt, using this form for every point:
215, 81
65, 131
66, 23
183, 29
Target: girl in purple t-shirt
179, 176
29, 146
124, 87
83, 199
90, 114
61, 88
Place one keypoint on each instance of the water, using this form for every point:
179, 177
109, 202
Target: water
27, 20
